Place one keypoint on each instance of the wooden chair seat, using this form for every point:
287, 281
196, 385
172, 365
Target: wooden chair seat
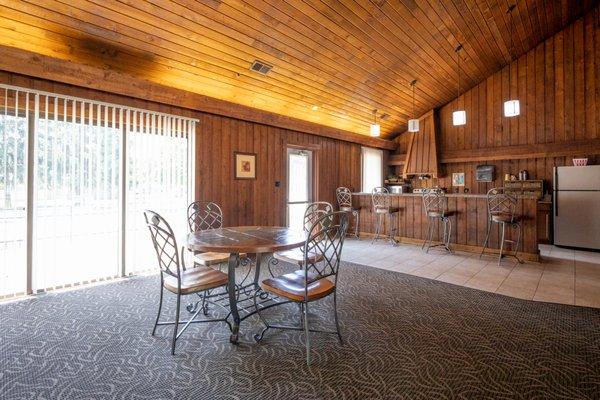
292, 286
210, 258
504, 217
296, 256
386, 210
196, 280
439, 214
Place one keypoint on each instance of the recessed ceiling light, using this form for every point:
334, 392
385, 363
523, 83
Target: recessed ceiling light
315, 108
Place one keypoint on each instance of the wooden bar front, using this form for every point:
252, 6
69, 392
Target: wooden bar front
468, 216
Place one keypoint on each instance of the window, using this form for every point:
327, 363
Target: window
372, 169
75, 177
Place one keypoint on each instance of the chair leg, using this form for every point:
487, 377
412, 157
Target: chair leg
159, 305
337, 322
306, 333
391, 229
448, 222
258, 337
356, 221
501, 243
429, 239
487, 238
425, 241
518, 244
176, 324
301, 306
377, 227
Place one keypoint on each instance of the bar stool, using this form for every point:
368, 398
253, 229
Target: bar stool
383, 209
501, 210
344, 199
435, 204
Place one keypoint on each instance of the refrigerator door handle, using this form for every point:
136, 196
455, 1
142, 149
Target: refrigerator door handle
554, 192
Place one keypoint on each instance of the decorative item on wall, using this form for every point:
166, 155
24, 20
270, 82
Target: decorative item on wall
413, 124
244, 165
458, 179
484, 173
511, 107
375, 127
459, 117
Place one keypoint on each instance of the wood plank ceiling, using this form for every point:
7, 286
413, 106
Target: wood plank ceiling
334, 61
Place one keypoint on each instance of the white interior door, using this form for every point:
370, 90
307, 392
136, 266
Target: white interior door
299, 190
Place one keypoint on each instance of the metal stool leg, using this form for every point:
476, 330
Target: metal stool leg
429, 239
448, 223
501, 243
427, 236
518, 244
391, 229
487, 238
378, 221
356, 221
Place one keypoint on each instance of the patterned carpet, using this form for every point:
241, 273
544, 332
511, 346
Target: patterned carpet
406, 338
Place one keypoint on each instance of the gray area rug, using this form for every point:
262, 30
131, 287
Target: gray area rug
405, 338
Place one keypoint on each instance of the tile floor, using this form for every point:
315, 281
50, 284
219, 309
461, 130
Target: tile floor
562, 275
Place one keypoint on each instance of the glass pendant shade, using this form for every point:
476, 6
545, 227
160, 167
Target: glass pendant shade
459, 117
413, 125
512, 108
375, 130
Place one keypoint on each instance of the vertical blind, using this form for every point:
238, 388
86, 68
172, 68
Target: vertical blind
93, 168
372, 169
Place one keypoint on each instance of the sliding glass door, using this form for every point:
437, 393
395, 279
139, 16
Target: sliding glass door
13, 192
300, 188
75, 178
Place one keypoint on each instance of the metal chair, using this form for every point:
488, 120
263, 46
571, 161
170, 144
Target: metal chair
175, 277
344, 199
204, 215
316, 281
314, 211
382, 207
501, 210
435, 204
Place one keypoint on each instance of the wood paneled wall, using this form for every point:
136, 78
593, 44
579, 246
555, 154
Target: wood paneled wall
558, 86
247, 202
244, 202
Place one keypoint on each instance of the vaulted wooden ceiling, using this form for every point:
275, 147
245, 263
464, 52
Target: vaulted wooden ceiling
334, 61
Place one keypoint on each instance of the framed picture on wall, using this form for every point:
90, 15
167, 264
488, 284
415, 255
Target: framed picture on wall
244, 165
458, 179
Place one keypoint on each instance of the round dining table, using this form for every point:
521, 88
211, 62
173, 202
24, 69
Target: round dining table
251, 240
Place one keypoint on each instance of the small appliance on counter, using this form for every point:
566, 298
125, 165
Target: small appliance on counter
399, 189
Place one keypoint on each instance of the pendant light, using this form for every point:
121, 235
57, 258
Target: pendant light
413, 124
459, 117
512, 108
375, 128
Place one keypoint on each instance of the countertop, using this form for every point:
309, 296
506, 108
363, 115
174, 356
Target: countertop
473, 195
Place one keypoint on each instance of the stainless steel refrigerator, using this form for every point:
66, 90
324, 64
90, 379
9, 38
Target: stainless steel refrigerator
577, 206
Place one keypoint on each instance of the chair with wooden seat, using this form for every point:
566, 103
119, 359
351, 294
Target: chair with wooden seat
435, 204
314, 211
174, 276
344, 199
316, 281
204, 215
383, 210
501, 207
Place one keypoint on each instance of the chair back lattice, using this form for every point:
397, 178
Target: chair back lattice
314, 212
325, 238
204, 215
164, 243
380, 197
500, 201
434, 200
344, 197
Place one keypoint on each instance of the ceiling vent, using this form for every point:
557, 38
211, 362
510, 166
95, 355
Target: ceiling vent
260, 67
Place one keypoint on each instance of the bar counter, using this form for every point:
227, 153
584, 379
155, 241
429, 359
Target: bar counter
469, 221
